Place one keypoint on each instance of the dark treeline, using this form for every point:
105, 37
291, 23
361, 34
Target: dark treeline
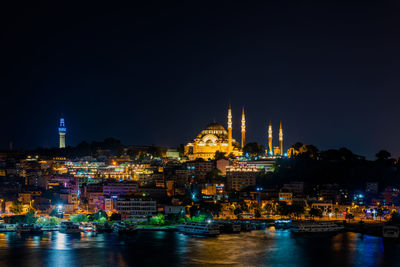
334, 166
110, 146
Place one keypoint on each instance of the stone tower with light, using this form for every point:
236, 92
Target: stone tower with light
62, 131
243, 128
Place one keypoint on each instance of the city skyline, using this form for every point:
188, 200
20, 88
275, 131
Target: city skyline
166, 133
271, 140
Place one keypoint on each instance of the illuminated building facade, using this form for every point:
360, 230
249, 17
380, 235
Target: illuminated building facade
212, 139
212, 189
120, 189
199, 169
85, 172
62, 131
115, 172
58, 165
241, 175
286, 197
136, 207
91, 172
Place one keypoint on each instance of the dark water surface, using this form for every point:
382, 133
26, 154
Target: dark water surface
146, 248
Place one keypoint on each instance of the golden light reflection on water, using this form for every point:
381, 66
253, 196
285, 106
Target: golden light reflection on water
344, 241
337, 243
4, 240
45, 240
236, 250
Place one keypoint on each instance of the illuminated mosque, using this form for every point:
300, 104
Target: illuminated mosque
215, 138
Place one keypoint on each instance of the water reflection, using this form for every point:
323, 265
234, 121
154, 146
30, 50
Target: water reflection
60, 240
258, 248
4, 240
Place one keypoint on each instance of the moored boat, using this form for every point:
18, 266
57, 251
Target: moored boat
390, 232
316, 228
123, 228
7, 228
69, 228
28, 229
199, 228
282, 224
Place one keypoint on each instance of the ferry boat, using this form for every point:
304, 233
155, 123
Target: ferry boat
316, 227
28, 229
199, 228
7, 228
69, 228
49, 228
282, 224
390, 232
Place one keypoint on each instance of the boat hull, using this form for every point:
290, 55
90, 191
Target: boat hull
390, 232
33, 232
212, 234
316, 229
70, 231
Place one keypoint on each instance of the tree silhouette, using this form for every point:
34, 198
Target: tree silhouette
254, 149
115, 217
297, 146
16, 207
214, 176
383, 155
219, 155
310, 150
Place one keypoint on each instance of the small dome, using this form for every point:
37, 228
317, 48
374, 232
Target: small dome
215, 126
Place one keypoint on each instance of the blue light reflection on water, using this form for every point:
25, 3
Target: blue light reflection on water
269, 247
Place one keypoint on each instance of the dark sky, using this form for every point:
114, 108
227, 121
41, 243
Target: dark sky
157, 73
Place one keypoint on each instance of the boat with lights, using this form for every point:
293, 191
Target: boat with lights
69, 228
282, 224
123, 228
316, 228
28, 229
199, 228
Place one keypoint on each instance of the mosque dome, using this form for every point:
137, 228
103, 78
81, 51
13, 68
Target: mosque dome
215, 126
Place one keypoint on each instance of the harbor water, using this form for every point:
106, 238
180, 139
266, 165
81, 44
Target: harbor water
267, 247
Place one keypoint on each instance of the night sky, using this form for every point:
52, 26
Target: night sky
157, 73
